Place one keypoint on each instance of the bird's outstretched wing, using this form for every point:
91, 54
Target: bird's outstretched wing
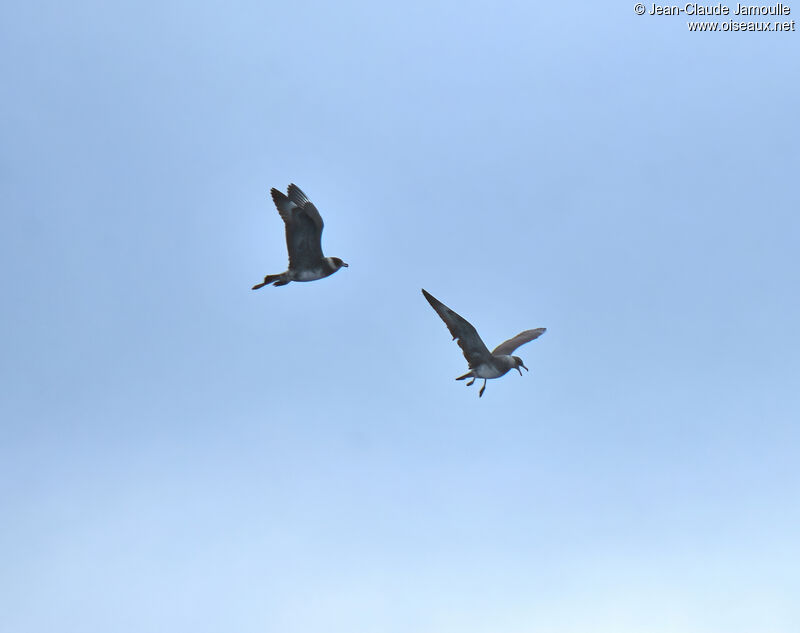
303, 227
506, 347
474, 349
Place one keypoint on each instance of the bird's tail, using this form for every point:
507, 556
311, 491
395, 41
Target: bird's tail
465, 376
278, 279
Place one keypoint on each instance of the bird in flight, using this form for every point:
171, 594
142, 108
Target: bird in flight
482, 363
303, 240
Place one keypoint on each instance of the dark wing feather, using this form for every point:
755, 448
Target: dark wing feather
303, 227
474, 349
506, 347
283, 204
297, 196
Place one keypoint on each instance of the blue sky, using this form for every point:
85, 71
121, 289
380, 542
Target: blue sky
179, 453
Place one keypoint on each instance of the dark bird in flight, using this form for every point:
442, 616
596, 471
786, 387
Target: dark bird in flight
482, 363
303, 240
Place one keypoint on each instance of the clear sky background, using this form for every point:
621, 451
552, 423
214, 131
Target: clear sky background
179, 453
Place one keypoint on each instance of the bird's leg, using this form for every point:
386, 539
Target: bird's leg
480, 393
469, 384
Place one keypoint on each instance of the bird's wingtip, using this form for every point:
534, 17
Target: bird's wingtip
430, 298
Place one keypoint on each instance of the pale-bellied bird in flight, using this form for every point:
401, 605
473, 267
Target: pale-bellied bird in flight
482, 363
303, 240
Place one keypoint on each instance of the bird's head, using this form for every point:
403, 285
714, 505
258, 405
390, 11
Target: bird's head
518, 363
338, 263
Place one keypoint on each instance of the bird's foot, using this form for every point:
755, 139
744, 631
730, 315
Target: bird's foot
469, 384
480, 393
